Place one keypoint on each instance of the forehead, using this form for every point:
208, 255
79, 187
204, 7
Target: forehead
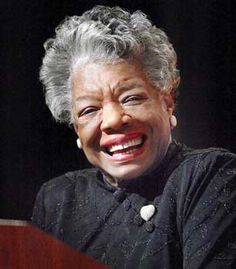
97, 77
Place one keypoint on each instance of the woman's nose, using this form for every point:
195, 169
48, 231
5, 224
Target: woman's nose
113, 117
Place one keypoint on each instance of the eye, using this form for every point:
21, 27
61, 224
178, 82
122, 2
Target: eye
87, 111
133, 100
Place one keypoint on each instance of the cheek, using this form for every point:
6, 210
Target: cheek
154, 117
143, 113
159, 122
89, 132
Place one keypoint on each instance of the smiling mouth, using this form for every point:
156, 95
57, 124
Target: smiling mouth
127, 147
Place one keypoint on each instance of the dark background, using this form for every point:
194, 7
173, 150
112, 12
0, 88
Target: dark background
34, 148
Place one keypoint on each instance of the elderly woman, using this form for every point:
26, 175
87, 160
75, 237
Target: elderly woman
149, 202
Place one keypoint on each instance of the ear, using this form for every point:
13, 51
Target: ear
168, 102
76, 128
78, 142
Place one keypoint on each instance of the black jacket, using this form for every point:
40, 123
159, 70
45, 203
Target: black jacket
194, 225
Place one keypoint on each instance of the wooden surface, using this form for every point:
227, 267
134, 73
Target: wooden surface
23, 246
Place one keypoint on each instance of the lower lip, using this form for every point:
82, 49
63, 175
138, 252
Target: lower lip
127, 156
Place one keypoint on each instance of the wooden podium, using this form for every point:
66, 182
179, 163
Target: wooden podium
23, 246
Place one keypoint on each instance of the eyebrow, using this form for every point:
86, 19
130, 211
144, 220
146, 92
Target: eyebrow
86, 98
118, 88
128, 86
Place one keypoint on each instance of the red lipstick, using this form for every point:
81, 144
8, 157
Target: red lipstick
121, 138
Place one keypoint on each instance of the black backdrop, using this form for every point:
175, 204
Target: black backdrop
34, 148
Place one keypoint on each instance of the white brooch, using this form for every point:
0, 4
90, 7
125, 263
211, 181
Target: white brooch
147, 211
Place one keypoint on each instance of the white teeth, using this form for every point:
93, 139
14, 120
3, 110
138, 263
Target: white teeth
130, 143
126, 152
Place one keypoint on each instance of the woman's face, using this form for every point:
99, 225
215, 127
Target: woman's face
121, 118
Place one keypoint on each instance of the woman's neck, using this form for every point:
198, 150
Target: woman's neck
149, 185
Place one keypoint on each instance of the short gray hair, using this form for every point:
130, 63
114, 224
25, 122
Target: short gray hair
104, 33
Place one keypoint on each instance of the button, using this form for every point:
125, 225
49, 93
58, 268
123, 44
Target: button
147, 211
149, 226
138, 220
119, 195
127, 204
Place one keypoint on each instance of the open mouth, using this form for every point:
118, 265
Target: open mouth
127, 147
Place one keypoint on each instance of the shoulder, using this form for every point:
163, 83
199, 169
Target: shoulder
203, 175
67, 186
206, 195
196, 162
60, 192
208, 155
71, 180
204, 182
214, 164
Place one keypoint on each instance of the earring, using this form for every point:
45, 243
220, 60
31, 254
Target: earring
173, 121
78, 143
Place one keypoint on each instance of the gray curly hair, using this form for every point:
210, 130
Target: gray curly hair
101, 34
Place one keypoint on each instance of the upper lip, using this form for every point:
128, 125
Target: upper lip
121, 139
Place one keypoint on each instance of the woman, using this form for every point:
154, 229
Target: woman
149, 202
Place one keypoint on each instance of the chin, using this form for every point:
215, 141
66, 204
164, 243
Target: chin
125, 174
